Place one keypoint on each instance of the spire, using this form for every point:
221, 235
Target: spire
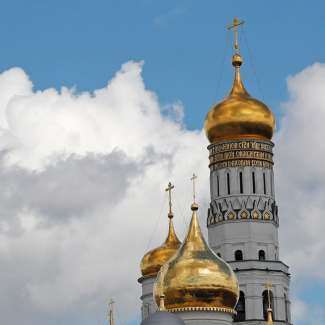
195, 276
194, 206
269, 310
171, 237
238, 89
110, 314
170, 187
269, 317
162, 304
235, 25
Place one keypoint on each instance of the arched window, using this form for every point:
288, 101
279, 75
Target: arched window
264, 183
238, 255
228, 183
266, 304
241, 189
219, 255
240, 308
286, 307
218, 185
261, 255
253, 182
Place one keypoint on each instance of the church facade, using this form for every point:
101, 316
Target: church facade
242, 221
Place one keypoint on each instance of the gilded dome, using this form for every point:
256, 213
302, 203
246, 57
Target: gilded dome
239, 115
156, 258
195, 276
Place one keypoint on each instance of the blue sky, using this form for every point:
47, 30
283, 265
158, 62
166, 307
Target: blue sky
84, 43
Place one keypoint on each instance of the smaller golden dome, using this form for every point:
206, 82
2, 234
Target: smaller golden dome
156, 258
195, 276
239, 115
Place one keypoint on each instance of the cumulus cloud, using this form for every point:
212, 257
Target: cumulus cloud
83, 178
300, 174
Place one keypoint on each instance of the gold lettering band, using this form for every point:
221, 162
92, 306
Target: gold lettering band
241, 163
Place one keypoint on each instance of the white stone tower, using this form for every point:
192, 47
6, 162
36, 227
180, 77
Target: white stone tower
243, 217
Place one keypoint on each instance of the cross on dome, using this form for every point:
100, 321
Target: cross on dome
235, 25
170, 187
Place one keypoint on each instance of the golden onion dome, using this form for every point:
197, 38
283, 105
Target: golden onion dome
156, 258
239, 115
196, 277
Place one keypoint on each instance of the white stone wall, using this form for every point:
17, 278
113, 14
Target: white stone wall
201, 317
148, 303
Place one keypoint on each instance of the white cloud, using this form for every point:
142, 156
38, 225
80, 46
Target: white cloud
83, 177
300, 174
307, 314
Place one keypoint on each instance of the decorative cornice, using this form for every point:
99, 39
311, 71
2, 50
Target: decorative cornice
226, 310
147, 277
284, 279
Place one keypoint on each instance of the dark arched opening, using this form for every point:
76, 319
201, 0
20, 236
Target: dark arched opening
266, 304
219, 255
240, 308
238, 255
261, 255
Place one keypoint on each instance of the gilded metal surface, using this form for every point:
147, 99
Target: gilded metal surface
153, 260
169, 189
236, 38
239, 116
161, 304
269, 317
269, 310
226, 310
195, 276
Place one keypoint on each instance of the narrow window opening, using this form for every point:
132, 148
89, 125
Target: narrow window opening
219, 255
264, 183
228, 183
261, 255
241, 182
240, 308
253, 181
272, 185
218, 185
238, 255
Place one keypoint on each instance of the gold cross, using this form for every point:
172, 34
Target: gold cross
268, 285
193, 179
170, 187
111, 318
235, 25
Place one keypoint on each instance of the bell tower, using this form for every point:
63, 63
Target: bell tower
243, 218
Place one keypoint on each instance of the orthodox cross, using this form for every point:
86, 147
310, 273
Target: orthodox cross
235, 25
111, 318
170, 187
268, 292
193, 179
